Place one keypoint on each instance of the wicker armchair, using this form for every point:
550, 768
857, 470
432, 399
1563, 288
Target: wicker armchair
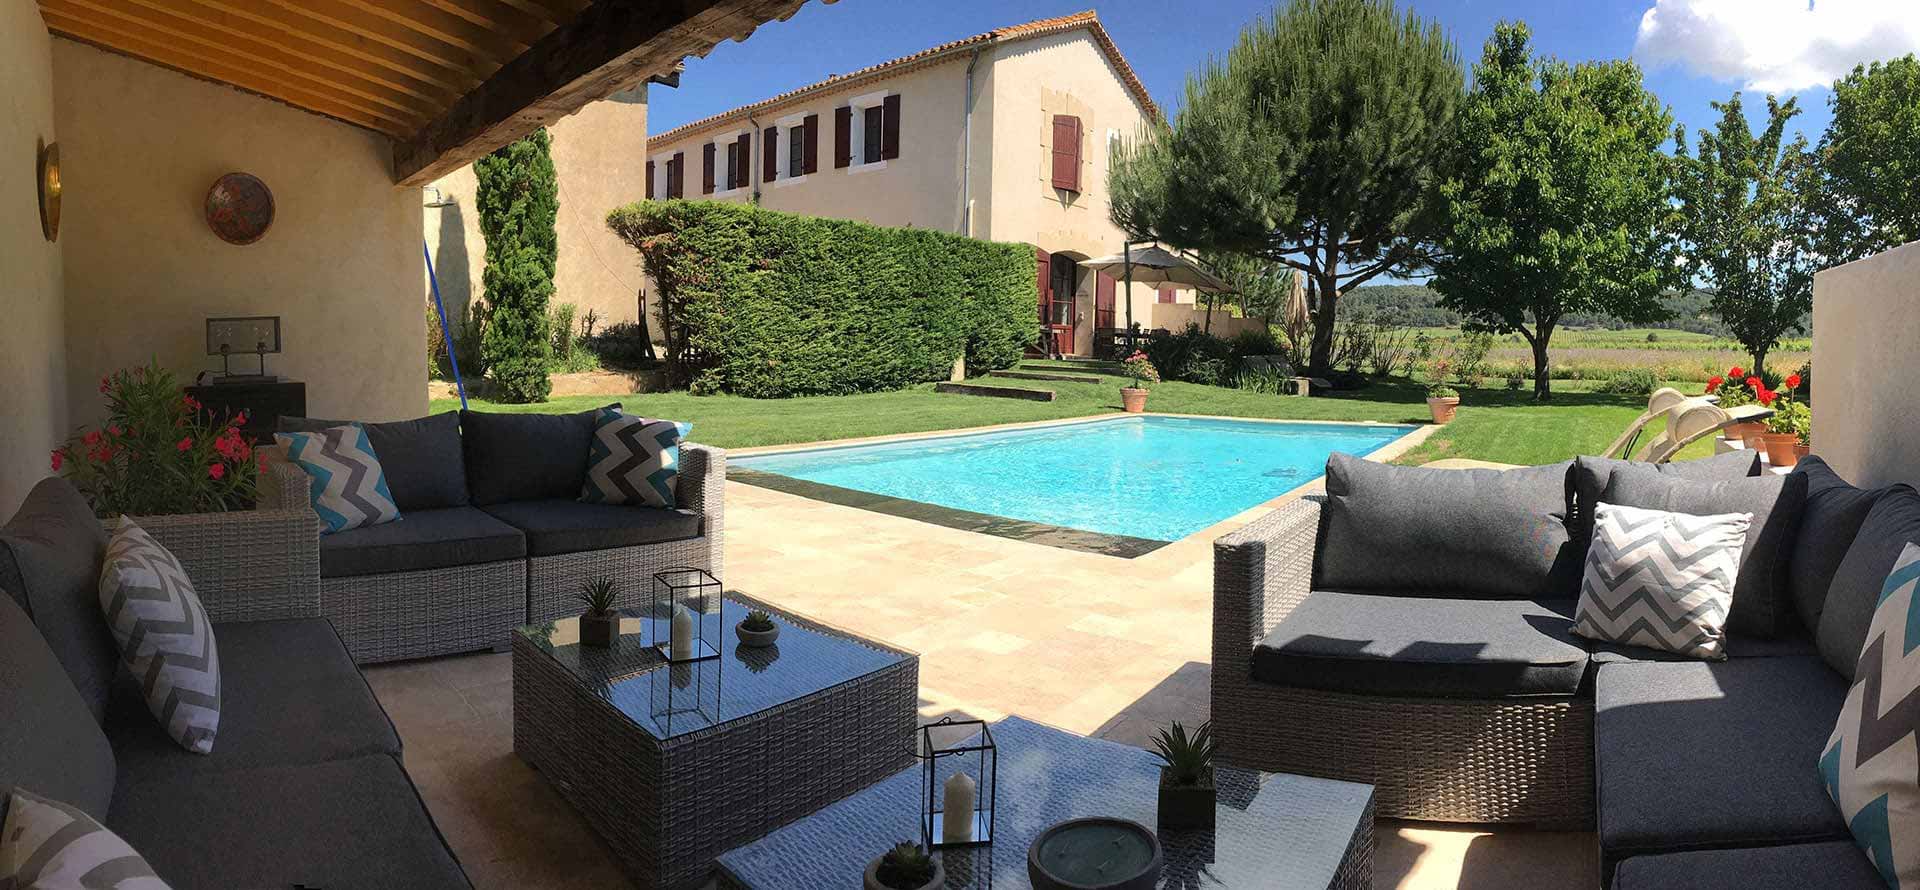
1441, 759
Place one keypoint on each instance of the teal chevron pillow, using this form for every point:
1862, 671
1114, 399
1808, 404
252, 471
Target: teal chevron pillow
633, 460
1871, 765
349, 489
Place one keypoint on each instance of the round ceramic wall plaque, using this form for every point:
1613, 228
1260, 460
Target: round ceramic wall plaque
49, 180
239, 208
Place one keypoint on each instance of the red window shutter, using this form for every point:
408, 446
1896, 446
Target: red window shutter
770, 154
1167, 295
1044, 269
1066, 152
890, 127
677, 175
743, 169
843, 136
706, 169
811, 163
1103, 300
649, 179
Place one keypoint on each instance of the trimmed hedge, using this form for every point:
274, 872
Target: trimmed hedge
788, 305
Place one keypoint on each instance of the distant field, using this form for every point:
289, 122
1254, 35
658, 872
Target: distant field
1599, 354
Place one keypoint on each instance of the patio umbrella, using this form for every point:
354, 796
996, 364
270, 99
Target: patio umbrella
1155, 265
1296, 316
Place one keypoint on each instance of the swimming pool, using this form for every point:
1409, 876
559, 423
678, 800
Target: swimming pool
1152, 477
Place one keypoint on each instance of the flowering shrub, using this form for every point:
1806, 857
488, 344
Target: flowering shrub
159, 452
1141, 369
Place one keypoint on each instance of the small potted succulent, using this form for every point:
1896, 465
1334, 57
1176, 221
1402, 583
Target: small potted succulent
1186, 775
757, 629
905, 867
600, 623
1141, 371
1789, 425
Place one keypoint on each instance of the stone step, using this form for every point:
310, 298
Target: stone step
1002, 392
1042, 375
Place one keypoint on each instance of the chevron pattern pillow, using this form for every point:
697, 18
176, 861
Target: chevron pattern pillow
633, 460
1871, 765
45, 843
349, 488
1661, 580
164, 637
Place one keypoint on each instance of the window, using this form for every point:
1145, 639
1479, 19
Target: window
874, 117
866, 131
796, 151
733, 165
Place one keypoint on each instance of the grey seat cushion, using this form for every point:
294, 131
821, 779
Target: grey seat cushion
1794, 642
556, 526
49, 743
348, 823
1690, 755
50, 556
1761, 605
1414, 529
1591, 474
424, 539
421, 458
1429, 647
289, 694
525, 457
1828, 524
1838, 865
1892, 522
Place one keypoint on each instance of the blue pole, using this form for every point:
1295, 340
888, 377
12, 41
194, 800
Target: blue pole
446, 333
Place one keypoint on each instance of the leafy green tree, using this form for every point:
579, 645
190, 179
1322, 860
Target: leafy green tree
1560, 201
1315, 143
1747, 216
518, 202
1870, 155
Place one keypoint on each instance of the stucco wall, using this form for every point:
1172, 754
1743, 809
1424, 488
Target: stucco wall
33, 397
341, 264
599, 162
1866, 338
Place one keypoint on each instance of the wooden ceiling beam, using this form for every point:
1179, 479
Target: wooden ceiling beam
398, 35
552, 12
612, 45
127, 41
525, 27
488, 40
245, 51
456, 80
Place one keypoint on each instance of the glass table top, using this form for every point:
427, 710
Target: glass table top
1272, 830
668, 700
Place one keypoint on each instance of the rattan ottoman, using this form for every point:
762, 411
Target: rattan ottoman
674, 764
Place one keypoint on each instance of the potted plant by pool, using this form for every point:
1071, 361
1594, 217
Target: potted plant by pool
905, 867
1186, 775
1141, 370
1788, 426
757, 629
600, 623
1443, 401
1735, 389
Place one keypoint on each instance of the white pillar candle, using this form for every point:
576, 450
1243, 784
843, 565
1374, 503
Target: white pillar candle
682, 633
957, 827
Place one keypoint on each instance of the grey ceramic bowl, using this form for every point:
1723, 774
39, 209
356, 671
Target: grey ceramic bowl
1061, 858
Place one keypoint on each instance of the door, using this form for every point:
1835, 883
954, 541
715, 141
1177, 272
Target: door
1065, 275
1103, 302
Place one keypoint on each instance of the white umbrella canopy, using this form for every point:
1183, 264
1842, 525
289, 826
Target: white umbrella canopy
1157, 265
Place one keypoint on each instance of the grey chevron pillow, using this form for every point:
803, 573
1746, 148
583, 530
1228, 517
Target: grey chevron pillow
1661, 580
165, 639
45, 843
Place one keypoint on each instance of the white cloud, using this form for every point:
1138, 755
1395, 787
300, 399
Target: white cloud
1776, 45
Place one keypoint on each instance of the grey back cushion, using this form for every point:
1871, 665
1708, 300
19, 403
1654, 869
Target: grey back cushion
1892, 522
1591, 474
1499, 533
1760, 601
525, 457
420, 458
48, 741
50, 556
1828, 525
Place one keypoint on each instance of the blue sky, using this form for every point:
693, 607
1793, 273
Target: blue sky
1695, 51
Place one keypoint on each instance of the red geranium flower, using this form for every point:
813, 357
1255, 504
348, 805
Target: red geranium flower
92, 438
1735, 372
1793, 381
1756, 384
1767, 396
216, 470
185, 443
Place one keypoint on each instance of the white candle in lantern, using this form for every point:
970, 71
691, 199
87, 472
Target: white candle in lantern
682, 633
958, 807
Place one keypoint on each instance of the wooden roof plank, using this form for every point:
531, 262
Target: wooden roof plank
456, 80
525, 26
487, 40
394, 34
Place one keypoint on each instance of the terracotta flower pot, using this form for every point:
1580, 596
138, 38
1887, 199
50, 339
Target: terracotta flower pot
1744, 432
1780, 448
1800, 451
1443, 408
1133, 399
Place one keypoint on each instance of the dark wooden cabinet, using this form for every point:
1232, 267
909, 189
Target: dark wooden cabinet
265, 403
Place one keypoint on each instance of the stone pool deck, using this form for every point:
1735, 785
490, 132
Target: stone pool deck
1090, 643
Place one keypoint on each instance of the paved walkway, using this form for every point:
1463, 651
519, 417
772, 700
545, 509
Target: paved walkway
1093, 644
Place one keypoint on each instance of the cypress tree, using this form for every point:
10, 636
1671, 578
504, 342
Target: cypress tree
518, 202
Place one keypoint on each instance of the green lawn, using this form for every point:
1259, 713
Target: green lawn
1493, 424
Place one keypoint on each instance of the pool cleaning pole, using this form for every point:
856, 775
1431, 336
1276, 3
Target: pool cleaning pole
446, 333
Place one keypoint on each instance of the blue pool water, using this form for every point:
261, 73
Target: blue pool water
1161, 478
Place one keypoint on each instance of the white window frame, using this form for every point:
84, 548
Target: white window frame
720, 144
858, 145
661, 175
783, 149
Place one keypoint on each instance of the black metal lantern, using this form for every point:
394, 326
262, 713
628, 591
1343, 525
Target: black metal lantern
685, 614
958, 756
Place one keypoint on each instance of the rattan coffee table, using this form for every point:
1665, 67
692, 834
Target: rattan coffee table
674, 764
1272, 831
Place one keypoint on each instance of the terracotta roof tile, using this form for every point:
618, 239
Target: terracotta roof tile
1025, 31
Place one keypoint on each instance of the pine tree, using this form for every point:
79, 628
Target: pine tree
518, 202
1559, 203
1316, 142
